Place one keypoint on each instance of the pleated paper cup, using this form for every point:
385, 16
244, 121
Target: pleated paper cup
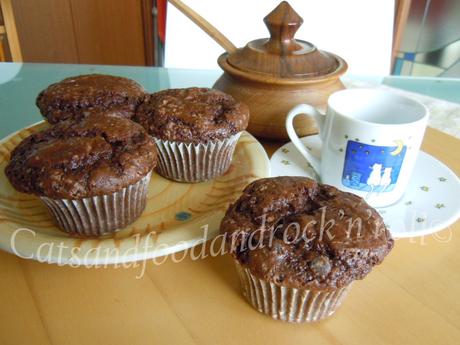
103, 214
188, 162
289, 304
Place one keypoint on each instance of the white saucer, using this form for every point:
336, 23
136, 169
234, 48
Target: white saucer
430, 204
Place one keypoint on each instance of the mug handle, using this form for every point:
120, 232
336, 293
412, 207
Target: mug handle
319, 118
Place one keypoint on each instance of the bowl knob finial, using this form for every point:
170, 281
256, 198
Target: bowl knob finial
282, 23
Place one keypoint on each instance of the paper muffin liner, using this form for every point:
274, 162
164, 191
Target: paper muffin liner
187, 162
289, 304
99, 215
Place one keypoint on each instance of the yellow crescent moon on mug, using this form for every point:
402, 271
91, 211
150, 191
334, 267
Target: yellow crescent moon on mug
398, 149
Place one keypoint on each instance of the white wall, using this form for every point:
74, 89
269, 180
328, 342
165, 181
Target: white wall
360, 31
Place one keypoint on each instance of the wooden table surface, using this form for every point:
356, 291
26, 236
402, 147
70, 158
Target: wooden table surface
412, 298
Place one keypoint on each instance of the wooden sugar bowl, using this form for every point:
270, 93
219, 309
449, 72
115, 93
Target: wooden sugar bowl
273, 75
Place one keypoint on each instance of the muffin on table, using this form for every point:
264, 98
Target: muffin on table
92, 175
195, 129
80, 96
298, 245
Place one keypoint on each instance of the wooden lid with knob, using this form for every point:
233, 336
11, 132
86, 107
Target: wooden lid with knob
281, 55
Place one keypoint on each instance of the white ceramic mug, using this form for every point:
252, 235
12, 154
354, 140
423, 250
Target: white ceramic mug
370, 141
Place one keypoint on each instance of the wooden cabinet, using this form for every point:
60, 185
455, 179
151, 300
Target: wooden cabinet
114, 32
9, 42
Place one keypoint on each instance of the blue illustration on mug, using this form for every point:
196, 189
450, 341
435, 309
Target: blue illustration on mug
370, 168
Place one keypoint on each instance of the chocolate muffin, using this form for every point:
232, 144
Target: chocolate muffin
80, 96
92, 175
193, 115
304, 243
195, 129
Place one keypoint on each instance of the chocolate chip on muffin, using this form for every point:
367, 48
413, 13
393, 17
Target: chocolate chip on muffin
80, 96
72, 160
192, 115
